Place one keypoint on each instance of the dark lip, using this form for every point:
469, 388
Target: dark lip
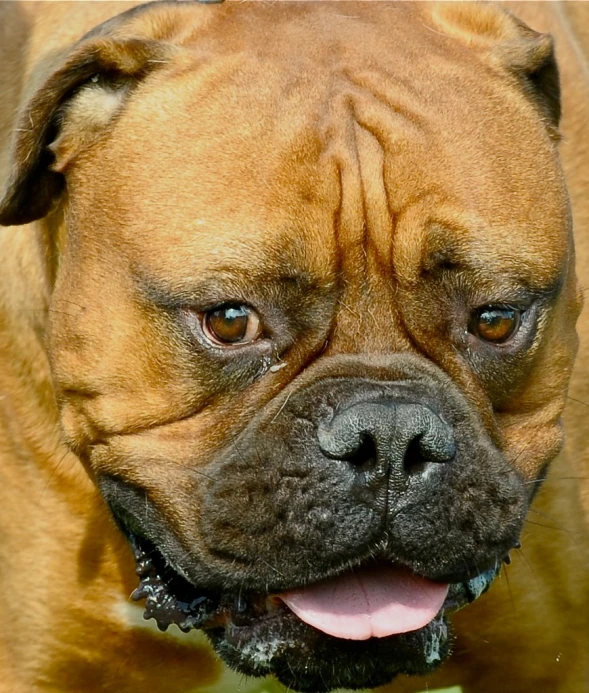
257, 635
170, 599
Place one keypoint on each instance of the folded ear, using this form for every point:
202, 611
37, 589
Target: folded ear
72, 109
507, 44
531, 59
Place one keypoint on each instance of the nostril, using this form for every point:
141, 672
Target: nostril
409, 440
414, 463
365, 455
420, 455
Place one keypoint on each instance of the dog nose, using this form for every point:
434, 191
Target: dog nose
381, 440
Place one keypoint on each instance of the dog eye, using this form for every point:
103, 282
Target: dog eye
231, 324
495, 324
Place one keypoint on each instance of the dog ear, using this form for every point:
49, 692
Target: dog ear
533, 62
72, 109
509, 45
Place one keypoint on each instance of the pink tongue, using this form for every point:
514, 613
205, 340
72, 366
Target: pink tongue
368, 603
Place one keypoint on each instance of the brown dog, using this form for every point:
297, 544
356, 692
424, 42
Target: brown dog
292, 320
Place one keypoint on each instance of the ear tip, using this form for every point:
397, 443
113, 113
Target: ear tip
509, 44
526, 54
18, 207
9, 207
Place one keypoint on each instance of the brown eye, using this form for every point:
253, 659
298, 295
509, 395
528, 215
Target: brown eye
231, 325
495, 324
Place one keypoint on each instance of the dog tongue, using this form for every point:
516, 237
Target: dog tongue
366, 604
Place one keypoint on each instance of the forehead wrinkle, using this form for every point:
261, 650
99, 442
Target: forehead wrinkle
373, 131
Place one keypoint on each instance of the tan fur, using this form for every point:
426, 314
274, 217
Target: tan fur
82, 361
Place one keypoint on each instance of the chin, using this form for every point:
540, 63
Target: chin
257, 634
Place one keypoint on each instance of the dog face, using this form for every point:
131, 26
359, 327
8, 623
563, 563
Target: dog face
313, 318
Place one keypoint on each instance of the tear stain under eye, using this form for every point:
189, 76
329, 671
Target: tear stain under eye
264, 367
269, 363
277, 366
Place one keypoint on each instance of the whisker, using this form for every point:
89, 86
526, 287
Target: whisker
54, 472
545, 515
578, 401
531, 568
272, 568
557, 478
200, 473
558, 529
505, 572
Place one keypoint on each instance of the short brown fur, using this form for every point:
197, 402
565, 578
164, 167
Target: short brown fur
75, 371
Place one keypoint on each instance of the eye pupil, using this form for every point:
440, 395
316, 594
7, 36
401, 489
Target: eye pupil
496, 323
229, 324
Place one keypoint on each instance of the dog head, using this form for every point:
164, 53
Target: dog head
313, 317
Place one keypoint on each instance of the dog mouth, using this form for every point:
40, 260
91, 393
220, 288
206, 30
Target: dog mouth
363, 613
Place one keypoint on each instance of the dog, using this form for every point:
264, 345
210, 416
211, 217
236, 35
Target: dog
288, 317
